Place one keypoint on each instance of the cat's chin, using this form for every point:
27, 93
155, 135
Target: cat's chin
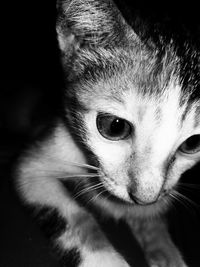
150, 210
121, 207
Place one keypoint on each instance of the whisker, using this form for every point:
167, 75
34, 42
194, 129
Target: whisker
100, 193
91, 187
96, 196
88, 189
78, 175
183, 197
64, 174
82, 165
166, 201
183, 203
189, 189
177, 198
186, 185
82, 192
183, 200
63, 162
172, 195
78, 184
170, 203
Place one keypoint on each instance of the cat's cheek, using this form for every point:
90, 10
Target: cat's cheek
110, 153
111, 156
181, 166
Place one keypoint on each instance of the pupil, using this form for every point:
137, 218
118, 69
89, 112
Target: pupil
117, 126
193, 142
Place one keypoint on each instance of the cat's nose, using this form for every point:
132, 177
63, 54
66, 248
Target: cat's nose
139, 201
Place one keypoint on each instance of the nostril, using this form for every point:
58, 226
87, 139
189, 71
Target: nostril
146, 201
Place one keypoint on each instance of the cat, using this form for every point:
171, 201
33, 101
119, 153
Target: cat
130, 129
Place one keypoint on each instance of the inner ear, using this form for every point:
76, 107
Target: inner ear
67, 41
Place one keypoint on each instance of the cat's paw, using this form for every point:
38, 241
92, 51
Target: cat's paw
159, 258
154, 264
103, 259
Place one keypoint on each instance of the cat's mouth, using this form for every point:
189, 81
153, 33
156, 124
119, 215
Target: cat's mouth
114, 198
116, 194
139, 209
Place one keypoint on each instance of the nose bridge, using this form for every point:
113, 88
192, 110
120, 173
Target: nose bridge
152, 146
145, 155
157, 130
149, 185
154, 141
147, 177
146, 165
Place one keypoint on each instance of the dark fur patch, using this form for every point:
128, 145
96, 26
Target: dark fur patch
70, 258
53, 225
50, 221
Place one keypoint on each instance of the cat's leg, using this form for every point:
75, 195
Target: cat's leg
76, 235
154, 238
78, 238
83, 236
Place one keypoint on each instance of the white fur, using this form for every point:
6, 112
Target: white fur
152, 143
38, 174
108, 258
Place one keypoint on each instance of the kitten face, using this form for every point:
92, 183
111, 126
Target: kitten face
133, 107
139, 138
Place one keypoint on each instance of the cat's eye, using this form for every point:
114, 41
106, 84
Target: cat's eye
191, 145
112, 127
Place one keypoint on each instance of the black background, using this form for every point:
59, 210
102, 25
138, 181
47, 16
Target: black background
30, 93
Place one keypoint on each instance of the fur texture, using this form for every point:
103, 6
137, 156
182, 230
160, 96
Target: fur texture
83, 175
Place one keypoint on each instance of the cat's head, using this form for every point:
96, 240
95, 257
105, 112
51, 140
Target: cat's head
128, 104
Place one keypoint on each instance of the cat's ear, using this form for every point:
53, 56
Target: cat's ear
90, 23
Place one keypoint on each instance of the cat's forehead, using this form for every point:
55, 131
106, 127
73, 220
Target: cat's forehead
138, 80
123, 97
133, 68
126, 95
